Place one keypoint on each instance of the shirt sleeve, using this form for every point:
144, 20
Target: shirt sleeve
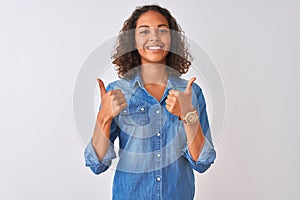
208, 153
91, 159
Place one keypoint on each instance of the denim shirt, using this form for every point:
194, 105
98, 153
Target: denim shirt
154, 161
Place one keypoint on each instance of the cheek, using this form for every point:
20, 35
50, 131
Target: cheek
139, 42
167, 41
169, 45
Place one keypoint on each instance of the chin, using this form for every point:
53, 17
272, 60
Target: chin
154, 59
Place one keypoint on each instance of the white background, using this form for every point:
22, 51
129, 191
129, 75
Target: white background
254, 44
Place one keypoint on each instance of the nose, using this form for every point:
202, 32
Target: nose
154, 35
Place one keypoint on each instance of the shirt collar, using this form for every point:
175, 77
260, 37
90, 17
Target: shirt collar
176, 82
136, 80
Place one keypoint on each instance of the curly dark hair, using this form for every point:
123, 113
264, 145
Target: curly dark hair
126, 55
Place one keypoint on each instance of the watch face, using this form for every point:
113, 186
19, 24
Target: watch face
191, 118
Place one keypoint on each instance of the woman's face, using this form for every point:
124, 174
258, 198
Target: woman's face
152, 37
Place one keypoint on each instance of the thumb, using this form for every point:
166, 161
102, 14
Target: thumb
102, 87
189, 85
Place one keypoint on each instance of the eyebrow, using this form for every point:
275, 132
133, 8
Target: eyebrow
146, 26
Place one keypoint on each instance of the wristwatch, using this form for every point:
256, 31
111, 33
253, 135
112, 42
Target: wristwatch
190, 118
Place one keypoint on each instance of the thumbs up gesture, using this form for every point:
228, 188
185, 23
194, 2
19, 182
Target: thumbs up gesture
113, 102
179, 103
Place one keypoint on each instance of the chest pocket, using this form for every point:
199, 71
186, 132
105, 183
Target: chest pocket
135, 114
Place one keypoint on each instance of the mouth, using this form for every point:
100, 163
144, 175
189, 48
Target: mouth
155, 47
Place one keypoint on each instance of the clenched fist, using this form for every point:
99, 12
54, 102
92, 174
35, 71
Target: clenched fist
113, 102
179, 103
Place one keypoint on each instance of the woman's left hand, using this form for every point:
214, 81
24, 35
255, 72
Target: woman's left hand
179, 103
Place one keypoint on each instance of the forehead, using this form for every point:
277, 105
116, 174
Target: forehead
152, 19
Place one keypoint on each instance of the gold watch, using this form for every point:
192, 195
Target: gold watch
190, 118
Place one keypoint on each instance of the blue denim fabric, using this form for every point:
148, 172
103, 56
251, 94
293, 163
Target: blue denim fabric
153, 157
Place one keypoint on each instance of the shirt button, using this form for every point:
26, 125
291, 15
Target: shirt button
158, 155
142, 109
158, 178
124, 111
157, 111
158, 134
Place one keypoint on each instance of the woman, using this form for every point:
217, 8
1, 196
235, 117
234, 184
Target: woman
159, 118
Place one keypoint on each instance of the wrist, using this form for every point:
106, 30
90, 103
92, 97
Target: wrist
103, 123
190, 118
186, 110
103, 118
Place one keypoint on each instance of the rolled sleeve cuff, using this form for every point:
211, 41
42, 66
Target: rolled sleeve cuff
206, 158
94, 163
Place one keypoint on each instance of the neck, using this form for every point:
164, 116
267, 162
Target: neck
154, 73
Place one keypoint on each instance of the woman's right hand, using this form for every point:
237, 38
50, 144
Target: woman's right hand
112, 102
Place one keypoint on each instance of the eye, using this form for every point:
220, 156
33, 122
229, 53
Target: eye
163, 30
144, 31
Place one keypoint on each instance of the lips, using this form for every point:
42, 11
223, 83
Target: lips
154, 47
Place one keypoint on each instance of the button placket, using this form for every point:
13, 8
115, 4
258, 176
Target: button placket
157, 153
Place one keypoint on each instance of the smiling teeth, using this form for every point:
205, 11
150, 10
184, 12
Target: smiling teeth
154, 47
